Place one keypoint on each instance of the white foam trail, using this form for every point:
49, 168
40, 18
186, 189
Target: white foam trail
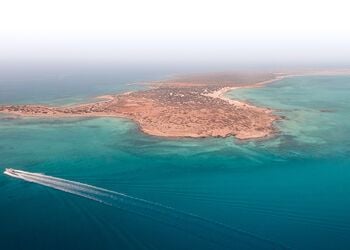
212, 231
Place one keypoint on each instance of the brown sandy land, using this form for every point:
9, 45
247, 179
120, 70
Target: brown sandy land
194, 106
238, 78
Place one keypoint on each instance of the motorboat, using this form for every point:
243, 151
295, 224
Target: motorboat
10, 171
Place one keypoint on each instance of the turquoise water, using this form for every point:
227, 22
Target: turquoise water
292, 189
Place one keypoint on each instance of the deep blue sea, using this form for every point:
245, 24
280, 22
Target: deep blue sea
291, 190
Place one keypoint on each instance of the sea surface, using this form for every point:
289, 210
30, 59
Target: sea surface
292, 190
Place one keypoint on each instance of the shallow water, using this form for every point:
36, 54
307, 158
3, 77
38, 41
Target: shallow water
292, 189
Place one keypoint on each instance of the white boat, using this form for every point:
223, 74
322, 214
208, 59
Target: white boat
10, 171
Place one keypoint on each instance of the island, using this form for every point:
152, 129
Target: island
189, 106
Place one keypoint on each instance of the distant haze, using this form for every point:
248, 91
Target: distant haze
175, 32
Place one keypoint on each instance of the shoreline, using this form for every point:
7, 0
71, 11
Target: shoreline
189, 110
221, 93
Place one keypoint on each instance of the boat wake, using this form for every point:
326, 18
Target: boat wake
215, 232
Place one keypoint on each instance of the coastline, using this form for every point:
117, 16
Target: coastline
221, 93
191, 109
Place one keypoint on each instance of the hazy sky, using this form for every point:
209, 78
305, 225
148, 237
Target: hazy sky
247, 31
